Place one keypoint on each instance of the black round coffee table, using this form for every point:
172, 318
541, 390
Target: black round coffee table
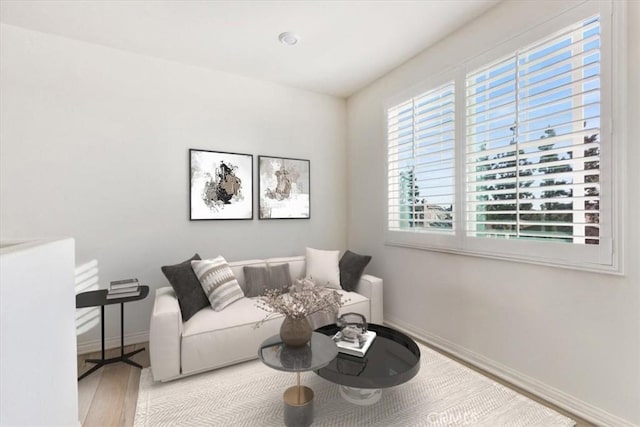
392, 359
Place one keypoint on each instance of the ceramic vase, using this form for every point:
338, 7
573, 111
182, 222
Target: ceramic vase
295, 332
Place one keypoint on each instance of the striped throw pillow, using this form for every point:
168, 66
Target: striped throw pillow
218, 281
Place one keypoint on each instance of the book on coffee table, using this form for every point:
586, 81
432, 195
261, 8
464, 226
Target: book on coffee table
358, 349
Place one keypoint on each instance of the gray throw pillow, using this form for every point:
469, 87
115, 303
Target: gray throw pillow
256, 280
186, 285
279, 277
259, 279
351, 267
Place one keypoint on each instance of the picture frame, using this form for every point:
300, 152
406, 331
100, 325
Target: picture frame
220, 185
284, 188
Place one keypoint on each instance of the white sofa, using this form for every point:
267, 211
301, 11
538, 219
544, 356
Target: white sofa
211, 339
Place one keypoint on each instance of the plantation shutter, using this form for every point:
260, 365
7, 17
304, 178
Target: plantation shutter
421, 162
532, 164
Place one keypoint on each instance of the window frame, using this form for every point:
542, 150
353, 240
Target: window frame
604, 257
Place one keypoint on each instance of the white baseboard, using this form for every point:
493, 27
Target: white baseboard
114, 342
540, 389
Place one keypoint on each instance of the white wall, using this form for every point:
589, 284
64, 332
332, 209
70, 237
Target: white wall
94, 145
572, 336
37, 340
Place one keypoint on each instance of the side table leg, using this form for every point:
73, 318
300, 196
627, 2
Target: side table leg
298, 405
102, 329
121, 329
99, 363
125, 357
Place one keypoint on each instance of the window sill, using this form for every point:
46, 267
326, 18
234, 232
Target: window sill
614, 269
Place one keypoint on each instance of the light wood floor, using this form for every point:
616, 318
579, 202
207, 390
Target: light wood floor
108, 396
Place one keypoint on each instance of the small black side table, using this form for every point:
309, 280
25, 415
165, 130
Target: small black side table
99, 298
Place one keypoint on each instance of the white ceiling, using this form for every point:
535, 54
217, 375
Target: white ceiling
344, 45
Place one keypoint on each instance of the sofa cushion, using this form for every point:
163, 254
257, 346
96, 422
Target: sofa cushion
218, 282
351, 267
243, 312
223, 338
183, 280
322, 267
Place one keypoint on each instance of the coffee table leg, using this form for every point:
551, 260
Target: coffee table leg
360, 396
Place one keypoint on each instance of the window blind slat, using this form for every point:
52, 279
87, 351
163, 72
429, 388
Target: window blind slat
572, 32
529, 73
492, 73
488, 91
554, 90
495, 102
538, 201
533, 170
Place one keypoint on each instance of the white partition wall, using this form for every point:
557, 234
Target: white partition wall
38, 368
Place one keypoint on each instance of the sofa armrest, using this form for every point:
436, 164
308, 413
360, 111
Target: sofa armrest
371, 287
165, 335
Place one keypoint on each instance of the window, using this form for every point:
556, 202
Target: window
525, 170
421, 162
533, 141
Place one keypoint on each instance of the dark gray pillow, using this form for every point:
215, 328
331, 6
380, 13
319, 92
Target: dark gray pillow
191, 296
280, 277
351, 267
256, 280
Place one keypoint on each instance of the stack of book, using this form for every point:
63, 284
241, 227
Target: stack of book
123, 289
359, 348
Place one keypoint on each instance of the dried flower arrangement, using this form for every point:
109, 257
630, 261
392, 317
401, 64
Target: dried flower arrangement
304, 299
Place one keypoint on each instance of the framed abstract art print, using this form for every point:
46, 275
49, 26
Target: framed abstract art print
221, 185
284, 188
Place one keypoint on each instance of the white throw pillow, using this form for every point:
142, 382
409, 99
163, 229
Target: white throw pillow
322, 267
218, 281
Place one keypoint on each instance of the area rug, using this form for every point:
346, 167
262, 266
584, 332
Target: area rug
444, 393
